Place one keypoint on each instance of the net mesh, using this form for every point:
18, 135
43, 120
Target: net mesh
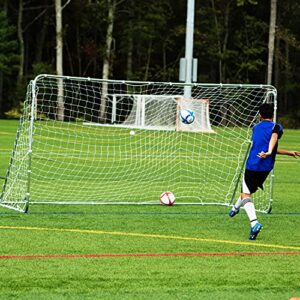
132, 147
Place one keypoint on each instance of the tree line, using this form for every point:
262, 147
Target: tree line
144, 40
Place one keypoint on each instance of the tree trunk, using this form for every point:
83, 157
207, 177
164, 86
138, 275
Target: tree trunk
5, 6
129, 57
272, 29
286, 76
21, 44
218, 39
164, 61
276, 63
1, 92
1, 73
225, 40
59, 60
109, 38
149, 52
78, 50
41, 38
107, 56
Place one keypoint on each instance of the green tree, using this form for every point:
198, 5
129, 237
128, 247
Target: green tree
250, 52
145, 37
8, 54
287, 62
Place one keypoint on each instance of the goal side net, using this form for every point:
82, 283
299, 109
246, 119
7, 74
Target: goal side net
91, 141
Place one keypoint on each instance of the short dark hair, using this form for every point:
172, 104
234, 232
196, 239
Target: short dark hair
266, 111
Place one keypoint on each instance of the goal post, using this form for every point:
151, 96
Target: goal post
68, 151
143, 111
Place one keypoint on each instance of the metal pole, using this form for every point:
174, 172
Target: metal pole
189, 45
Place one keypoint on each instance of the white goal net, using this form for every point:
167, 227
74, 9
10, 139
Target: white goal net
77, 145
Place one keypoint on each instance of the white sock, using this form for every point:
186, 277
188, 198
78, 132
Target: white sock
250, 210
237, 204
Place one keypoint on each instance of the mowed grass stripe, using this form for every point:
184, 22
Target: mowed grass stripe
157, 236
126, 255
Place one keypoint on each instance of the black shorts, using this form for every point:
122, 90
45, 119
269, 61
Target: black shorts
253, 180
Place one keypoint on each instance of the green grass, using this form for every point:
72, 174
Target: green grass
106, 164
83, 230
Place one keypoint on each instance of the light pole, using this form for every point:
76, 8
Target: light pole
188, 65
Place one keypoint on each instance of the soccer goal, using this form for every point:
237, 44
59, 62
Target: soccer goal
92, 141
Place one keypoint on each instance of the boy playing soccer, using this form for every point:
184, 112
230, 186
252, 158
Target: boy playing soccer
260, 162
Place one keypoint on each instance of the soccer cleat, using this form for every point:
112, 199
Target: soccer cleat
233, 212
255, 231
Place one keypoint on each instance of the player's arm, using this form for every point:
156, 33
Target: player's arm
289, 153
272, 143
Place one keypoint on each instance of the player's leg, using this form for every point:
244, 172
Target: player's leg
251, 182
259, 179
249, 207
245, 200
235, 208
245, 194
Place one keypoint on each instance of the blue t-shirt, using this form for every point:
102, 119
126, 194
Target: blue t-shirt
261, 136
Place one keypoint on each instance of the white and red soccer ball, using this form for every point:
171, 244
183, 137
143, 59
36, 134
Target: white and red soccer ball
167, 198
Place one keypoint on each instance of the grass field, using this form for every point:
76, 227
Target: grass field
104, 164
152, 252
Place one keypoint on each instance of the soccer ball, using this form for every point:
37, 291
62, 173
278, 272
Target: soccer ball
167, 198
187, 116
